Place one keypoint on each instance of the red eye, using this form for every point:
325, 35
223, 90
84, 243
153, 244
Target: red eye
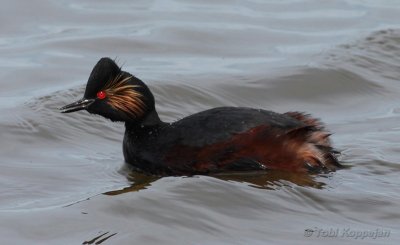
101, 95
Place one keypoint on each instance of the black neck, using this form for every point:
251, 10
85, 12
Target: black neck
151, 122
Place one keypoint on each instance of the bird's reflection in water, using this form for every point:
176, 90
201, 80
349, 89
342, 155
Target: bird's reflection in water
272, 179
140, 181
268, 180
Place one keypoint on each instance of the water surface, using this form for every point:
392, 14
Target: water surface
63, 178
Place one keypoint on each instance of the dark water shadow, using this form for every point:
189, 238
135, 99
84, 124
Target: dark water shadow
100, 239
268, 180
272, 179
140, 181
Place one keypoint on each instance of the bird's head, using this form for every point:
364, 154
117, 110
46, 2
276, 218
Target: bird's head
114, 94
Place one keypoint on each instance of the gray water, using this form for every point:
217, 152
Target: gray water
63, 179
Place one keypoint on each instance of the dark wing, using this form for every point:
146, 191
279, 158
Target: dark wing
220, 124
243, 139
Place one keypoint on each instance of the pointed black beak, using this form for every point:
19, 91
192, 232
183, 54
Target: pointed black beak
77, 105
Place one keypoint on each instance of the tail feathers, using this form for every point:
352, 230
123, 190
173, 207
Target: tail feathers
306, 118
329, 157
319, 158
330, 149
315, 151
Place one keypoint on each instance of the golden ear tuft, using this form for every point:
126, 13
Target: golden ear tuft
122, 96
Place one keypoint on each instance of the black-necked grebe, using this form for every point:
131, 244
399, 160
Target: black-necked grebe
215, 140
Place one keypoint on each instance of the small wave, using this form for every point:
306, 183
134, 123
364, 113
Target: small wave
375, 57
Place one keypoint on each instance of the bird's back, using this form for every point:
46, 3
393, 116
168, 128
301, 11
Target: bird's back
220, 124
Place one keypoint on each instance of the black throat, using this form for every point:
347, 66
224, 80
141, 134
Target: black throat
150, 123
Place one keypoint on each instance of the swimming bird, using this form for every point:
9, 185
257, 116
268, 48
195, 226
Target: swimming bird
222, 139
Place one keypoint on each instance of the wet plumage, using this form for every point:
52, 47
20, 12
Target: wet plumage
215, 140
